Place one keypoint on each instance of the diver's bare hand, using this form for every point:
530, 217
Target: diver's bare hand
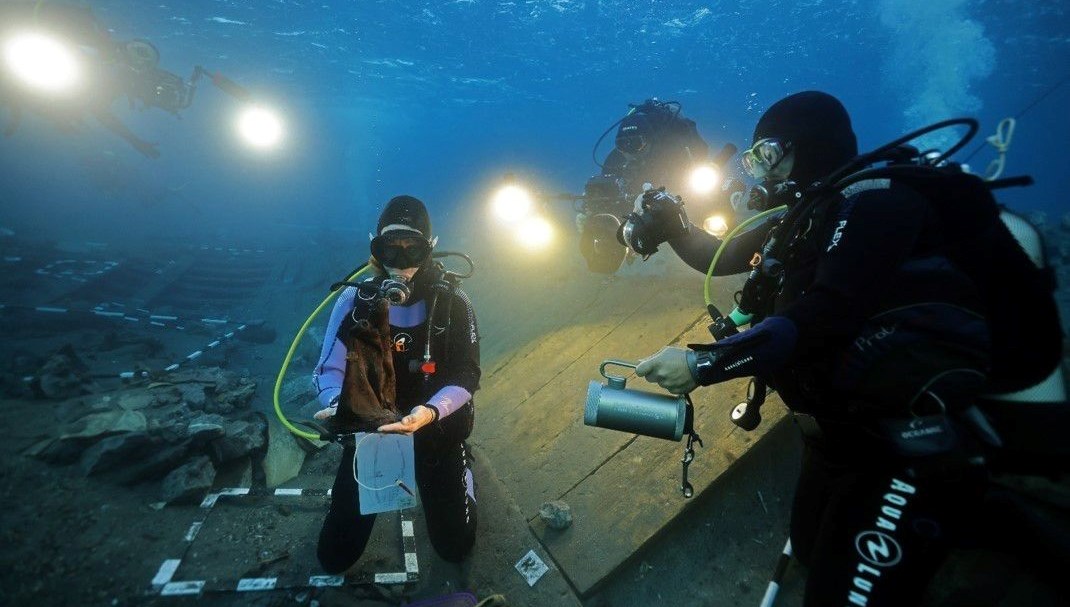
419, 417
332, 408
671, 368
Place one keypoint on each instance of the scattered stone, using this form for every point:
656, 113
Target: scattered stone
284, 456
556, 514
63, 375
232, 396
135, 400
240, 439
235, 473
189, 482
205, 427
59, 452
108, 422
192, 394
117, 451
84, 432
165, 459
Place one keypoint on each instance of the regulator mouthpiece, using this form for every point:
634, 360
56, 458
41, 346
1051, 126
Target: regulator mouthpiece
395, 289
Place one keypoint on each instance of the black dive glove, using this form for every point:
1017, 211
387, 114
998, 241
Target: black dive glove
661, 217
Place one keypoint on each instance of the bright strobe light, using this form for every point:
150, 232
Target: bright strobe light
42, 62
260, 127
535, 233
704, 179
512, 203
715, 225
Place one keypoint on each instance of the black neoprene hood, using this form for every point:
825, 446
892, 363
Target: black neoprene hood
819, 129
406, 211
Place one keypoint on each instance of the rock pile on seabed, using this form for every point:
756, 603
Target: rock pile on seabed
178, 431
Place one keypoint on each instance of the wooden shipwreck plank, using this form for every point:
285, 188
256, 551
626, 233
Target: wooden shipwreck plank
622, 489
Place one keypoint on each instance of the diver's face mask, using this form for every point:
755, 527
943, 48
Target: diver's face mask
402, 253
768, 159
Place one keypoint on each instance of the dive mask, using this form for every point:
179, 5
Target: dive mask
764, 156
407, 252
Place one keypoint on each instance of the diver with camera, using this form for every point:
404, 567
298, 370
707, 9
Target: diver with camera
877, 298
401, 355
654, 143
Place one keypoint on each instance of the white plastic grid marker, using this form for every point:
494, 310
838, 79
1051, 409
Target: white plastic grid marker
194, 529
234, 491
182, 588
166, 572
196, 587
257, 584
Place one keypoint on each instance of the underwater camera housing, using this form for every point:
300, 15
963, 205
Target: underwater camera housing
661, 216
602, 204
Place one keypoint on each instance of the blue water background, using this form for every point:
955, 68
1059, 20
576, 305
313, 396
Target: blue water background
439, 99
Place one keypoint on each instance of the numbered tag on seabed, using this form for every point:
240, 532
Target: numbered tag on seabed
386, 472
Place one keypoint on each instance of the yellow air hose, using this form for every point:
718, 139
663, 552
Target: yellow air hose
293, 348
727, 239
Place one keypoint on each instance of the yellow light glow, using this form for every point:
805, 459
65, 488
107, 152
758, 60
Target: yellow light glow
704, 179
260, 127
42, 62
715, 225
513, 203
535, 233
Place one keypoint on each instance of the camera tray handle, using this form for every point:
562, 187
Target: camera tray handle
614, 381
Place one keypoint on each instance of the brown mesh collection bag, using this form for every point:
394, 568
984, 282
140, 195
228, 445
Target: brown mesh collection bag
369, 389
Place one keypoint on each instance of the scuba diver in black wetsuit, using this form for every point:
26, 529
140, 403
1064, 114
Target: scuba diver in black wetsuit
875, 322
654, 144
436, 393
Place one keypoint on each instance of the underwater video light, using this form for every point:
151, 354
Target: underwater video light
42, 62
715, 225
535, 233
513, 203
260, 127
704, 178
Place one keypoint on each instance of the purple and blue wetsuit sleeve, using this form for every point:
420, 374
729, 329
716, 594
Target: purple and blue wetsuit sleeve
330, 371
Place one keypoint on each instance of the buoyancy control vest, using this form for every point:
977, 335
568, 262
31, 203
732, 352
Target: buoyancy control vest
1016, 291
